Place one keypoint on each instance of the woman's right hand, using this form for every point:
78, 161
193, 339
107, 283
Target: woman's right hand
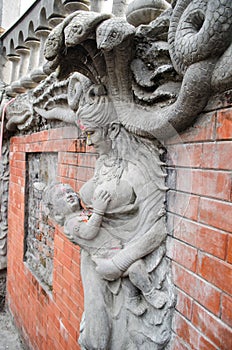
100, 201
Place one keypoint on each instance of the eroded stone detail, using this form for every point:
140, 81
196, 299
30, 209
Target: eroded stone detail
4, 186
2, 289
39, 240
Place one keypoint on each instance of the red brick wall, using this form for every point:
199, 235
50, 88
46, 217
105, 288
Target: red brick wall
200, 245
47, 320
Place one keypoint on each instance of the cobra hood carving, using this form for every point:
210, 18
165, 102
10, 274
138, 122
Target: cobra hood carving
166, 70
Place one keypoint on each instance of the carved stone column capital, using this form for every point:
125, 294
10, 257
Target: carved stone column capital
38, 74
71, 6
24, 53
34, 46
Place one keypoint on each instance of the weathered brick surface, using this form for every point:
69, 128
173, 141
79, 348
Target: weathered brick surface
47, 319
200, 243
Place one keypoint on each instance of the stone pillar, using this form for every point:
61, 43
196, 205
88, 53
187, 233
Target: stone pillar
34, 46
71, 6
9, 12
38, 74
24, 53
97, 5
119, 7
14, 72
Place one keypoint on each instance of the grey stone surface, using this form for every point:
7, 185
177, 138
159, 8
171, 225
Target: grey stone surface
39, 237
2, 289
9, 335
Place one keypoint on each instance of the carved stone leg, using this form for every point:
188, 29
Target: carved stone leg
96, 326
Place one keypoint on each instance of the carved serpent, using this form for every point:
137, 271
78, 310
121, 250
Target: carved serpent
200, 32
199, 29
114, 36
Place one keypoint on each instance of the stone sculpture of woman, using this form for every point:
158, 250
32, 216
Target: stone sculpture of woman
127, 292
173, 71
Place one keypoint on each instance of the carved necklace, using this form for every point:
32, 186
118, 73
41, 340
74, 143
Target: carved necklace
108, 169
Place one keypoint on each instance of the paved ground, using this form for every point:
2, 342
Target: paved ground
9, 336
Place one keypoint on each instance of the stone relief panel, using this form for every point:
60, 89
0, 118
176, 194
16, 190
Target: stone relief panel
127, 88
39, 233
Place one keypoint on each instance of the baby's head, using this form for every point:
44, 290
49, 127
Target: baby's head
62, 201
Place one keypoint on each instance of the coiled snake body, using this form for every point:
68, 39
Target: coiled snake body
200, 32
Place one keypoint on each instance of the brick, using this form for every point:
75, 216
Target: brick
226, 315
217, 155
202, 130
182, 253
62, 170
59, 242
75, 268
62, 283
18, 164
72, 171
197, 288
84, 174
87, 160
17, 180
68, 248
178, 344
17, 147
17, 140
190, 334
224, 124
78, 296
186, 155
64, 133
229, 249
69, 302
64, 259
17, 156
184, 304
38, 137
207, 183
214, 329
68, 275
216, 213
215, 271
183, 204
68, 158
210, 240
18, 172
55, 146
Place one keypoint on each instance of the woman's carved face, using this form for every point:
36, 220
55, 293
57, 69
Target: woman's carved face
97, 138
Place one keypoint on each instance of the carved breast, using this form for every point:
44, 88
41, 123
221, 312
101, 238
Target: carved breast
122, 193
